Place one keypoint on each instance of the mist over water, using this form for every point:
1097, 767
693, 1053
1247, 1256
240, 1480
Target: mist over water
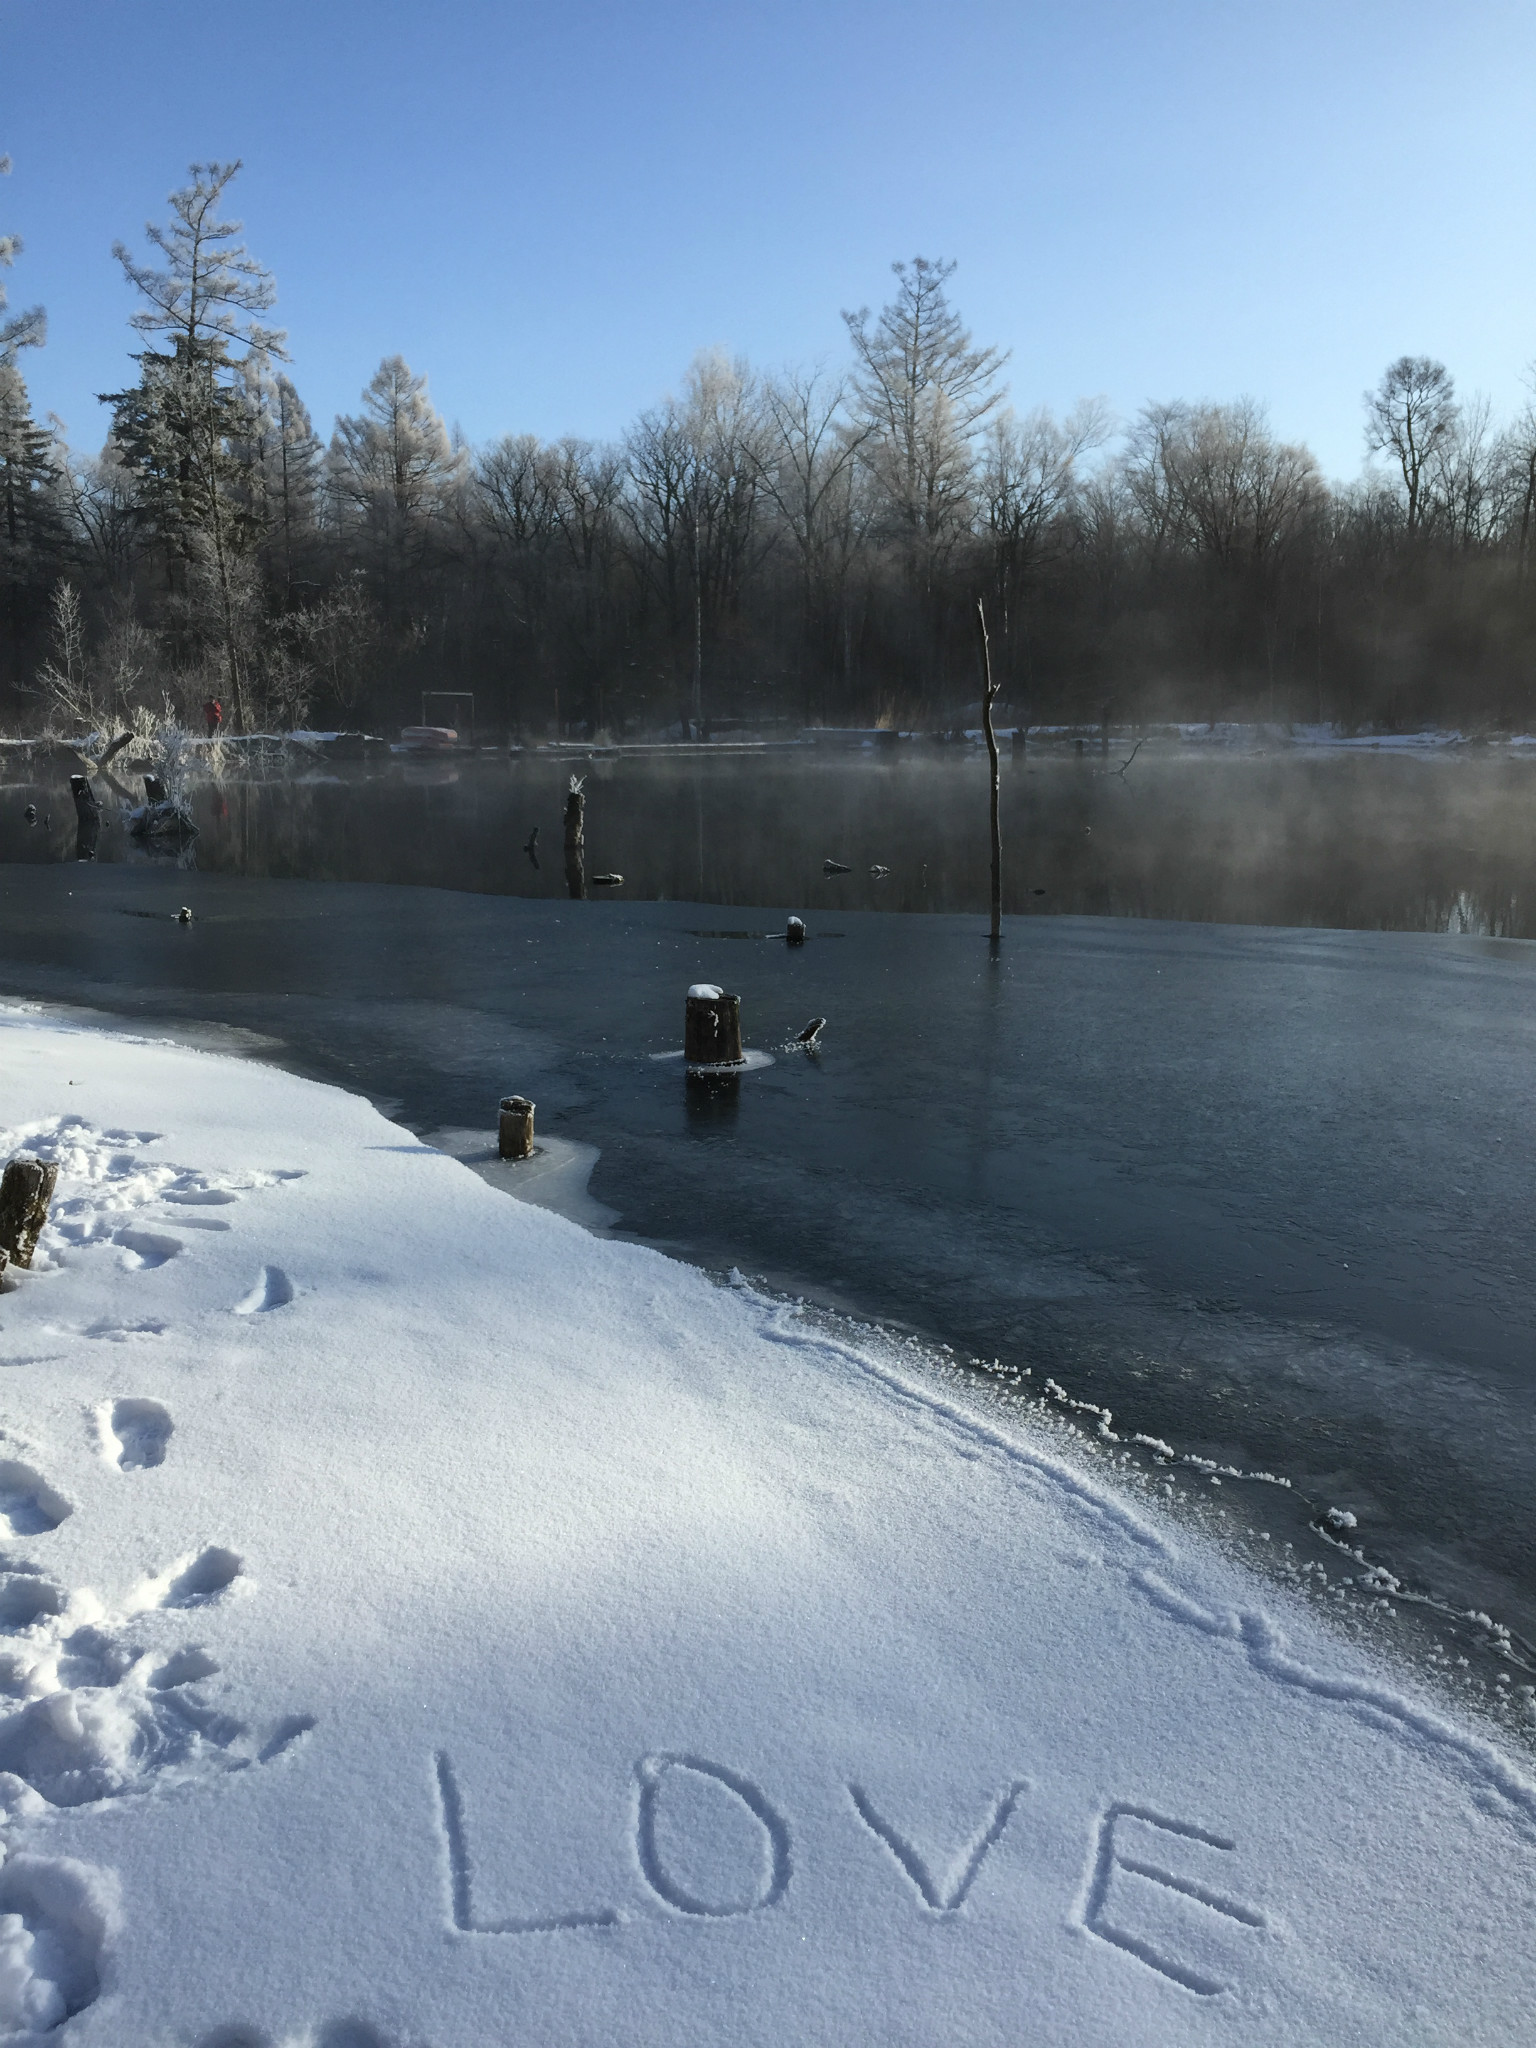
1364, 841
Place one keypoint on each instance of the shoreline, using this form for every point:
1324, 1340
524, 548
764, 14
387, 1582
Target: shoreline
864, 1576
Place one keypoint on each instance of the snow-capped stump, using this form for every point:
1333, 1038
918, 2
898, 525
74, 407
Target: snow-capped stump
575, 814
794, 931
515, 1132
26, 1189
712, 1027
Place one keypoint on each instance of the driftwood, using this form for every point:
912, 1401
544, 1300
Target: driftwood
835, 867
712, 1028
515, 1131
607, 881
811, 1034
26, 1189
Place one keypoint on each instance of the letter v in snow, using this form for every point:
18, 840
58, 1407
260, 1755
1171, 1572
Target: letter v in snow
948, 1894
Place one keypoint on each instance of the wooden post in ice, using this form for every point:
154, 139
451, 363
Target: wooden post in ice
26, 1189
988, 692
515, 1135
575, 815
712, 1027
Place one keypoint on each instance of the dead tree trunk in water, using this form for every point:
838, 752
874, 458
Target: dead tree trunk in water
988, 693
87, 817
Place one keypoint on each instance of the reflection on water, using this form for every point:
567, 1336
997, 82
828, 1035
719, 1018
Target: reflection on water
1373, 842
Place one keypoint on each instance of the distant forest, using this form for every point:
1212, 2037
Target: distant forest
805, 547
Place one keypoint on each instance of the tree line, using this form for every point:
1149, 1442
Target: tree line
806, 546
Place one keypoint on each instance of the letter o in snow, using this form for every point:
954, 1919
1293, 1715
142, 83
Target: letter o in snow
708, 1841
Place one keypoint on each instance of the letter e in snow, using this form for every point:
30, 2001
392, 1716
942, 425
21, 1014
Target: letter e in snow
1137, 1920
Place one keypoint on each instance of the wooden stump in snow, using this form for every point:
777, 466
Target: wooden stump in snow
712, 1027
26, 1189
516, 1131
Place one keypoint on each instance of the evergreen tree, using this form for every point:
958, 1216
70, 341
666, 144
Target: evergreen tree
394, 473
32, 533
182, 428
31, 521
282, 454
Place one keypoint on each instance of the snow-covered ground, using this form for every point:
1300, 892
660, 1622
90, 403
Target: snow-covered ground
428, 1624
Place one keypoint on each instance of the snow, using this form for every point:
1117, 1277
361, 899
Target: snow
704, 992
426, 1624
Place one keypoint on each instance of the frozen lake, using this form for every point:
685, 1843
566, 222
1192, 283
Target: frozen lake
1263, 1192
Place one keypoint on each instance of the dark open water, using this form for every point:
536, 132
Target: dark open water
1264, 1191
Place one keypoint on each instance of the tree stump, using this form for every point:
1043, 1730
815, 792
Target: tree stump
794, 932
575, 820
515, 1137
154, 789
26, 1189
87, 817
712, 1028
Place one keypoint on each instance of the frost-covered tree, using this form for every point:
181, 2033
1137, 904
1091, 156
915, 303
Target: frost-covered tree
283, 460
25, 330
180, 428
394, 474
695, 471
923, 390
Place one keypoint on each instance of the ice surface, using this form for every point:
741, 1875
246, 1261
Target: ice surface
497, 1632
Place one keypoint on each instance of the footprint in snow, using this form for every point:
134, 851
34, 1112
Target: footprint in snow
272, 1289
135, 1432
143, 1250
205, 1578
26, 1596
111, 1332
29, 1506
347, 2033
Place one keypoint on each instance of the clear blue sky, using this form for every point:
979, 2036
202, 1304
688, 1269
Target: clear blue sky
549, 208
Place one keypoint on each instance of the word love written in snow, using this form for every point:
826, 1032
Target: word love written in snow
1131, 1842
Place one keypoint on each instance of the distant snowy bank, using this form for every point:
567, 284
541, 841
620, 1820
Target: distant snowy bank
424, 1624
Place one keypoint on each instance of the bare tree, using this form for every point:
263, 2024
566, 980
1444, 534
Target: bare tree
1028, 486
695, 469
810, 454
1410, 415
